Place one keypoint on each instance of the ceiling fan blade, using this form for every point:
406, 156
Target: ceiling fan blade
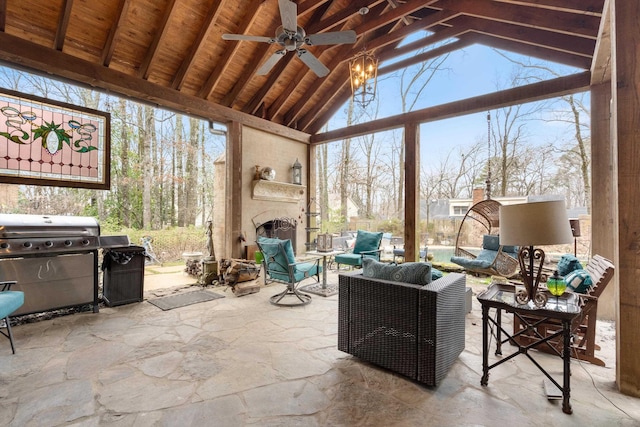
312, 62
289, 15
335, 37
271, 62
248, 38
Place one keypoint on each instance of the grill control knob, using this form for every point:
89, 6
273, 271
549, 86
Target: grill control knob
26, 244
4, 245
85, 242
48, 244
67, 243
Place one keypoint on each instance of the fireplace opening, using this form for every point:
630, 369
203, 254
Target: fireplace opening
279, 228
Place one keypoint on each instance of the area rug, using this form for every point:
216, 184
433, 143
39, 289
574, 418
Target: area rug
184, 299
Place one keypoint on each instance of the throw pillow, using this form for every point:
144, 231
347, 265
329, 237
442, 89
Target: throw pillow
436, 274
579, 281
567, 264
417, 273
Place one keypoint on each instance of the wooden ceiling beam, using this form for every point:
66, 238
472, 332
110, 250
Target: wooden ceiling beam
152, 51
529, 93
3, 14
542, 38
205, 30
231, 49
539, 52
585, 7
45, 60
63, 24
109, 46
558, 21
340, 17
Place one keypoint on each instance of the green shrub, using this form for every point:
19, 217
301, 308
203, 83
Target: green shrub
168, 244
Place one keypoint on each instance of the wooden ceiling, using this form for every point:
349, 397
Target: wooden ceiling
172, 48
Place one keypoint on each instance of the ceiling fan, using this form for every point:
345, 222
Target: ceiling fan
291, 37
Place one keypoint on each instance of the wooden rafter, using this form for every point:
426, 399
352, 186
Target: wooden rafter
63, 24
207, 26
160, 34
3, 14
109, 46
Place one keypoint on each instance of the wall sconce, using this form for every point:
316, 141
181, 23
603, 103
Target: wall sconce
296, 173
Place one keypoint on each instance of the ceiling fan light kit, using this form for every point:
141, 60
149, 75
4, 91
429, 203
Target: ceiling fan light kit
292, 37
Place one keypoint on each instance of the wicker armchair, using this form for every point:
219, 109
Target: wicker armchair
417, 331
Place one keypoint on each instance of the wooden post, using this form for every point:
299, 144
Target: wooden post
626, 122
412, 192
603, 191
233, 211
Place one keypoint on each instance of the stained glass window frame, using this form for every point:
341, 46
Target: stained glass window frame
52, 143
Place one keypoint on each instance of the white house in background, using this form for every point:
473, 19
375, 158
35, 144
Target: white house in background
334, 200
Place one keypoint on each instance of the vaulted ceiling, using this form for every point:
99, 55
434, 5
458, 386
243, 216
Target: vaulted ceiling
172, 48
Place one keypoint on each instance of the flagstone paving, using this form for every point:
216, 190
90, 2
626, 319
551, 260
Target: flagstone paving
242, 361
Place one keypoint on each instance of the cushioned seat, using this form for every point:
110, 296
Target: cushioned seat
493, 259
367, 245
280, 265
10, 301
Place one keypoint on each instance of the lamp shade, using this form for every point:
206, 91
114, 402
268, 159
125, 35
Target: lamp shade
535, 224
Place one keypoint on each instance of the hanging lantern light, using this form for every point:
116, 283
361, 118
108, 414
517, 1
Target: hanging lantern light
363, 71
364, 75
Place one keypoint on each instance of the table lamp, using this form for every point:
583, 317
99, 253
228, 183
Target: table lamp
528, 225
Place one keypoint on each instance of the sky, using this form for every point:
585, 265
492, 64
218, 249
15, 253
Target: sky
470, 72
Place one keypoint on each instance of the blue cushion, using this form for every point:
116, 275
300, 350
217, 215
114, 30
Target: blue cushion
472, 263
567, 264
579, 281
511, 250
288, 247
436, 274
417, 273
306, 269
491, 242
350, 259
10, 301
276, 261
367, 241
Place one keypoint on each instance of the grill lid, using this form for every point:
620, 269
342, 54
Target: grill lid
14, 226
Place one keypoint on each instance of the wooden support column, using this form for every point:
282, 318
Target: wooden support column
412, 192
603, 191
233, 196
626, 122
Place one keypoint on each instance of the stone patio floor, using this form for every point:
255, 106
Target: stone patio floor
241, 361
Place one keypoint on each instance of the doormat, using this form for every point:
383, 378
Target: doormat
181, 300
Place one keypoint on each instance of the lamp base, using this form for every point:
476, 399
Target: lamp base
528, 257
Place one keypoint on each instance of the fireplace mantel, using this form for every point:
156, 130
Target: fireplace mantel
276, 191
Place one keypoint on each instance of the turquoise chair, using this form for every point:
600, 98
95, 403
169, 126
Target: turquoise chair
367, 245
280, 266
10, 301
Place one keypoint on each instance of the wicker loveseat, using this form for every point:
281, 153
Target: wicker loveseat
414, 330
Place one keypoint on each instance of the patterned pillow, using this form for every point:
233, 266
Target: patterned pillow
567, 264
436, 274
579, 281
417, 273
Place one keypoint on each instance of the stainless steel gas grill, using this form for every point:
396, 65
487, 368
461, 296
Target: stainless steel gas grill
53, 258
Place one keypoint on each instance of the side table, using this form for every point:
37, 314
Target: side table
564, 309
322, 289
